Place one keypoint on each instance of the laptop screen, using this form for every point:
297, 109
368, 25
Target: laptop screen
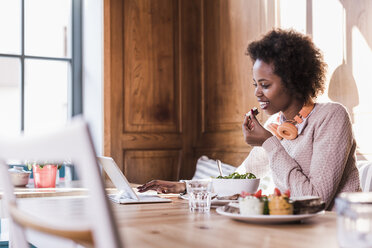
117, 177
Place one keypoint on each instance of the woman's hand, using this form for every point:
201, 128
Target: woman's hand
162, 186
254, 133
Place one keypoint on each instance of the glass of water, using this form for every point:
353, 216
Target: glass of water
354, 219
199, 192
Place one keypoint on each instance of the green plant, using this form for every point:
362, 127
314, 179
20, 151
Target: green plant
41, 165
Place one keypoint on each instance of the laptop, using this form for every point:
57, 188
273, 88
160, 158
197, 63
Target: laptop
126, 194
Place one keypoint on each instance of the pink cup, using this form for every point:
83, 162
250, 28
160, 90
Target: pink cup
45, 177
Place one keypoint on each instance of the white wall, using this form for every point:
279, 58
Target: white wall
93, 69
346, 42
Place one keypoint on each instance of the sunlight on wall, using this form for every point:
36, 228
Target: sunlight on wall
362, 65
340, 30
293, 14
328, 35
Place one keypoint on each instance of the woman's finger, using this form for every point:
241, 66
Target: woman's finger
153, 187
141, 187
148, 186
254, 122
251, 126
145, 185
246, 119
252, 117
247, 123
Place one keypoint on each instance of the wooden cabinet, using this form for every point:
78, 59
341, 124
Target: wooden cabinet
177, 83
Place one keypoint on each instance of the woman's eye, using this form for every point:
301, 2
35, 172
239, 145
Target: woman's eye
265, 86
255, 85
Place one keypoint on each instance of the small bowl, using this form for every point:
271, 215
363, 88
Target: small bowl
18, 176
226, 187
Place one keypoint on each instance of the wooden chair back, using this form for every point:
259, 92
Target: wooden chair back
75, 144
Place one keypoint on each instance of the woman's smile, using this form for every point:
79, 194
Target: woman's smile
264, 104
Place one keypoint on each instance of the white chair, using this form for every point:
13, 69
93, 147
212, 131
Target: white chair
74, 143
365, 175
207, 168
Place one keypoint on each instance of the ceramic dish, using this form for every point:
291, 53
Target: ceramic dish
267, 219
19, 176
214, 202
226, 187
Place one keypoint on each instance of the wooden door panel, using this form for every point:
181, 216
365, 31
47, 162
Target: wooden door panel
227, 85
177, 83
143, 166
150, 140
151, 86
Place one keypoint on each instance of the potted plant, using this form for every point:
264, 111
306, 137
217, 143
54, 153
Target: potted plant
44, 174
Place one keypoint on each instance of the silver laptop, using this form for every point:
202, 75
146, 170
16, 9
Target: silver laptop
126, 194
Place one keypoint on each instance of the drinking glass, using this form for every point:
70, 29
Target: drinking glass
354, 220
199, 192
45, 176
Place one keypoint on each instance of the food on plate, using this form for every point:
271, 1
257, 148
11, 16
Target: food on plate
279, 204
228, 197
233, 209
252, 204
307, 205
236, 175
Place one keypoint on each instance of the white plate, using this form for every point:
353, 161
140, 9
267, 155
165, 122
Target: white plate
272, 219
214, 202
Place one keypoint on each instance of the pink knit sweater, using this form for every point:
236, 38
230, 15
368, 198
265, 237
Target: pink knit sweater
320, 161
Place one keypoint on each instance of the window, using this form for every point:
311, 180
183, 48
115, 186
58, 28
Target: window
40, 64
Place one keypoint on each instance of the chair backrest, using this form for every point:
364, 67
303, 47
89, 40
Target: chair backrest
365, 175
75, 144
207, 168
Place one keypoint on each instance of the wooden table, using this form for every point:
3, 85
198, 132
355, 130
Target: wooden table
172, 225
62, 191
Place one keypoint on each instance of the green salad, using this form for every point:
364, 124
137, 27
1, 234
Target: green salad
236, 175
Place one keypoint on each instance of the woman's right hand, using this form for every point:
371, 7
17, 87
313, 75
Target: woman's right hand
162, 186
254, 133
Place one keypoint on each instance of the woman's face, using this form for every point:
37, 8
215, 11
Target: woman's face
271, 93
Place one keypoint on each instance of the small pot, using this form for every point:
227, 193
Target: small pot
19, 176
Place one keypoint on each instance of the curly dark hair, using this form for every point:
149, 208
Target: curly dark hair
296, 61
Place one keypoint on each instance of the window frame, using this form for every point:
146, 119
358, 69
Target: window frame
75, 94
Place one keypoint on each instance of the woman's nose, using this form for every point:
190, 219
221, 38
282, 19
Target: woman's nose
258, 91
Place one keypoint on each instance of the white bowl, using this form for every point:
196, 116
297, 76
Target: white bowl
226, 187
18, 176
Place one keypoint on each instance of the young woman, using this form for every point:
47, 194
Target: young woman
316, 153
310, 147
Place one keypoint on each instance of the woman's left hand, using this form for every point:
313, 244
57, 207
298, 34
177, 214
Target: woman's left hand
254, 133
